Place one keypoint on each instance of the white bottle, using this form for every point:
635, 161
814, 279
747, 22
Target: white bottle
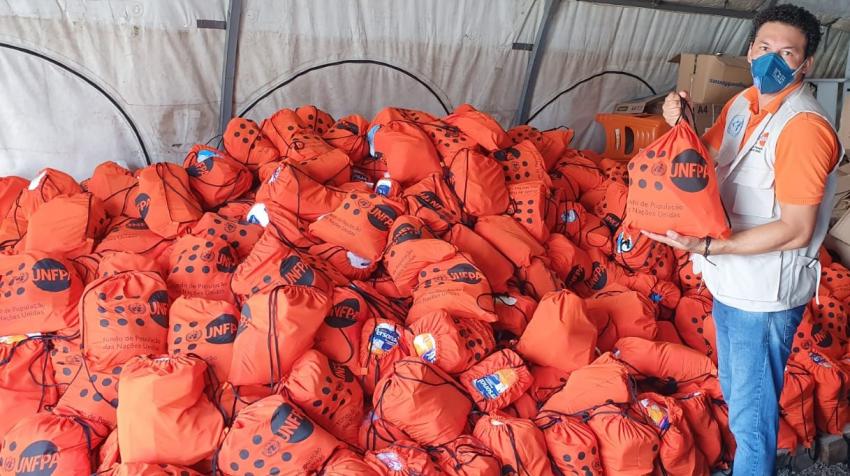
384, 186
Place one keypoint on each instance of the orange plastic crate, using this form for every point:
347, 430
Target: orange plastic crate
626, 134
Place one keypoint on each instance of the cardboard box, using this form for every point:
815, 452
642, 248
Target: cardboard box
705, 115
712, 78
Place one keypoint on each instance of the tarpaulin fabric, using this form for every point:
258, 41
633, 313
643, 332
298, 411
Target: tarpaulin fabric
515, 311
677, 453
832, 388
478, 182
823, 329
408, 150
164, 414
422, 401
39, 293
165, 201
673, 186
122, 316
664, 360
244, 142
348, 134
274, 436
201, 267
559, 334
50, 444
466, 456
345, 462
480, 127
453, 344
496, 267
797, 403
26, 379
328, 393
433, 200
626, 446
497, 381
361, 224
697, 411
456, 286
215, 177
402, 458
517, 442
47, 185
206, 328
695, 324
376, 433
605, 380
240, 235
571, 443
510, 238
275, 329
92, 396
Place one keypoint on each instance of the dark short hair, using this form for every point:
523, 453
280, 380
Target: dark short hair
795, 16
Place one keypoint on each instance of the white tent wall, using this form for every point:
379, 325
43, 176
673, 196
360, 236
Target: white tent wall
165, 73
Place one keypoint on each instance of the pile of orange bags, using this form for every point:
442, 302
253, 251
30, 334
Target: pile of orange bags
407, 295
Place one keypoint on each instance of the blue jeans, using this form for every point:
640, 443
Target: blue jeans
752, 349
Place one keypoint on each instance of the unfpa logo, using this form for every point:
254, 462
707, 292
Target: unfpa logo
38, 459
689, 171
51, 276
598, 276
158, 305
429, 200
203, 164
222, 329
404, 233
225, 262
290, 425
143, 203
293, 270
465, 273
382, 217
343, 314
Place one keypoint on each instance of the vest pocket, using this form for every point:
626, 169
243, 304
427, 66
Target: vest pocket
754, 194
750, 278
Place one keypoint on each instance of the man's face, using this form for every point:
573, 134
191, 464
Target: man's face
785, 40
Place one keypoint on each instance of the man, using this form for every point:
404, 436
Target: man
776, 157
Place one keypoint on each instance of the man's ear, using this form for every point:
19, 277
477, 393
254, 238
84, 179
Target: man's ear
750, 53
808, 65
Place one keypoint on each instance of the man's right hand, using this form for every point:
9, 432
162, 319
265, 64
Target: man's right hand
672, 109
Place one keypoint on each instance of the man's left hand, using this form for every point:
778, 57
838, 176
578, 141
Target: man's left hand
680, 242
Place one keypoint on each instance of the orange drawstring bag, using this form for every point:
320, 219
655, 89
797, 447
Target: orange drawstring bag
347, 263
201, 267
552, 144
603, 278
787, 439
547, 381
537, 279
466, 456
569, 262
695, 324
348, 134
328, 394
697, 411
67, 226
165, 201
721, 413
92, 396
832, 388
571, 443
47, 185
836, 278
298, 193
65, 359
409, 152
478, 182
825, 329
497, 381
522, 163
612, 206
360, 224
27, 383
626, 446
559, 334
36, 277
797, 403
376, 433
233, 400
291, 136
204, 328
108, 455
688, 280
640, 254
510, 238
631, 313
132, 235
323, 164
273, 436
238, 209
410, 249
515, 311
146, 469
314, 118
10, 188
275, 329
673, 186
116, 188
664, 360
518, 444
164, 414
402, 458
677, 453
479, 126
448, 140
453, 344
244, 142
434, 202
339, 335
529, 205
456, 286
122, 316
580, 169
605, 380
114, 262
667, 333
496, 267
240, 235
389, 114
662, 292
346, 462
214, 177
46, 444
422, 401
582, 227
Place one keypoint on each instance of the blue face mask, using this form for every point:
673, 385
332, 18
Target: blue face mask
771, 73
